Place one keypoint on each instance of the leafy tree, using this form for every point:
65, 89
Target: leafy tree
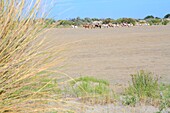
157, 18
77, 21
78, 18
167, 16
95, 19
87, 20
107, 21
149, 17
119, 21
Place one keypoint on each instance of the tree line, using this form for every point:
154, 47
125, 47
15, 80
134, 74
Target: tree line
150, 19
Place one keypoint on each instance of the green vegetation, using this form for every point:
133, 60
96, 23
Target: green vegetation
108, 20
165, 22
49, 22
144, 88
81, 21
164, 98
65, 22
90, 88
165, 89
154, 21
126, 20
143, 85
149, 17
92, 79
130, 100
167, 16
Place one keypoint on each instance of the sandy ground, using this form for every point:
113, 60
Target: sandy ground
115, 53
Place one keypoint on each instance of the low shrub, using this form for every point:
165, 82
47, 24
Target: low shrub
144, 85
165, 22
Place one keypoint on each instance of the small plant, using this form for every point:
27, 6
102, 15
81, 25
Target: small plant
163, 103
143, 85
130, 100
164, 98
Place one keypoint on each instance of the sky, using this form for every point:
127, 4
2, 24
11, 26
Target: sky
67, 9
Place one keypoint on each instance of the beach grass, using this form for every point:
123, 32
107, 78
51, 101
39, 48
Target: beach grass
23, 58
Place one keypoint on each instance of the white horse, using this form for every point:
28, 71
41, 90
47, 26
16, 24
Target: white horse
73, 26
105, 25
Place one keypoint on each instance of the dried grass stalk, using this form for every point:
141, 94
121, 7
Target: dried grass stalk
23, 56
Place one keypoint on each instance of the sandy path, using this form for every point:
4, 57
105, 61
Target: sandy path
115, 53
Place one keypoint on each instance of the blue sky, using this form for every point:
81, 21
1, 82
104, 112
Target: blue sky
66, 9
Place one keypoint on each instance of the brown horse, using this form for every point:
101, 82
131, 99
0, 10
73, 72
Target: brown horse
88, 26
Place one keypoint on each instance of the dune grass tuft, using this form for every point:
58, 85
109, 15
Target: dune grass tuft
23, 88
143, 85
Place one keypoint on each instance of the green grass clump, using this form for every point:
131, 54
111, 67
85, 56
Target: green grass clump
90, 88
146, 89
143, 86
91, 79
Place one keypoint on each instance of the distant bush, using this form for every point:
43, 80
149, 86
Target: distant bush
87, 20
65, 22
126, 20
154, 21
165, 22
149, 17
108, 20
49, 22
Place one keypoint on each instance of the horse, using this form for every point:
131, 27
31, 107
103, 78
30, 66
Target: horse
98, 25
92, 26
105, 25
86, 26
89, 26
111, 25
73, 26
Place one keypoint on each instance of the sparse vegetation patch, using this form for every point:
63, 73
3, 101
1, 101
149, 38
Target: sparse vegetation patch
90, 88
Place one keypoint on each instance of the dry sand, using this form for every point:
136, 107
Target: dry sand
115, 53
